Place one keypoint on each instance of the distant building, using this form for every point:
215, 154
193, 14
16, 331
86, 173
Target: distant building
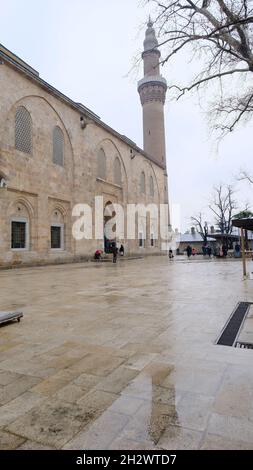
194, 239
215, 239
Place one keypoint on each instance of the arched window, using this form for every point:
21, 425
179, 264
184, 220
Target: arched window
101, 164
151, 186
58, 146
23, 130
143, 183
117, 171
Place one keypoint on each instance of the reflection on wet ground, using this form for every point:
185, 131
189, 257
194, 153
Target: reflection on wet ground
123, 357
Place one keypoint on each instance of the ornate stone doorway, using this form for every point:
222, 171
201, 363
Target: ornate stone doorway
109, 227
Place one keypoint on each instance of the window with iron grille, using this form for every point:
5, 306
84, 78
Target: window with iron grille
18, 235
56, 237
141, 240
58, 146
23, 130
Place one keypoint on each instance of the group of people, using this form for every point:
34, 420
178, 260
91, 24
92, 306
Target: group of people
190, 251
222, 251
206, 250
113, 249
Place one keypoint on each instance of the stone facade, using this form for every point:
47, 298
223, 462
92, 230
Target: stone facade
36, 190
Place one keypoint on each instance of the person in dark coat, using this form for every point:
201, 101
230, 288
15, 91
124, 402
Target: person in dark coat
121, 250
225, 250
189, 251
209, 251
114, 252
171, 254
237, 250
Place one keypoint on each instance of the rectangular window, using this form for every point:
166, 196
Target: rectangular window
141, 241
18, 235
57, 237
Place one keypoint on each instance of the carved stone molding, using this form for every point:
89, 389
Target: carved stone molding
152, 93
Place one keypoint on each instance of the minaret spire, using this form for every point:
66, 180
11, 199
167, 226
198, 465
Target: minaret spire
150, 22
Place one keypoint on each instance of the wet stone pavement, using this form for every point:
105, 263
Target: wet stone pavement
123, 357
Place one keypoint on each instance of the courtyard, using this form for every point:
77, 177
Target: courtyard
124, 357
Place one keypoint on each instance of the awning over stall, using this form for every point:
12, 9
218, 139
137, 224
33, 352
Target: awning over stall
246, 224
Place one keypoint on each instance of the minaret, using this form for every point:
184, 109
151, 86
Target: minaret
152, 89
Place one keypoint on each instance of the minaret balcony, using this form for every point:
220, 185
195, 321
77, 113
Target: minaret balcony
152, 80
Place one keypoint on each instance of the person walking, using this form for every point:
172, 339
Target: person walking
121, 250
237, 250
220, 251
114, 252
189, 251
171, 256
209, 251
224, 250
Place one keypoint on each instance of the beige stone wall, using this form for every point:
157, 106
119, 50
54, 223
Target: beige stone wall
40, 191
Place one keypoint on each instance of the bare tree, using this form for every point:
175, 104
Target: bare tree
221, 32
201, 226
223, 206
245, 176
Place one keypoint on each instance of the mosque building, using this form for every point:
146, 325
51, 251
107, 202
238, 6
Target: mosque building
56, 153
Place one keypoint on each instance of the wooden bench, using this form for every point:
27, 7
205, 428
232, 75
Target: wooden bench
10, 316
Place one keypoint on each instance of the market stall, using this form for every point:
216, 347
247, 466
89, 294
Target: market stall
244, 225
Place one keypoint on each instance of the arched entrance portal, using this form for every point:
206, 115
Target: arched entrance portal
109, 227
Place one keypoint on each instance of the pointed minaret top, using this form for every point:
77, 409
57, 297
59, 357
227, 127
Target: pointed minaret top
150, 22
150, 39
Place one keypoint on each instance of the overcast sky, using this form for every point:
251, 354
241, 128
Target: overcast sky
86, 49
